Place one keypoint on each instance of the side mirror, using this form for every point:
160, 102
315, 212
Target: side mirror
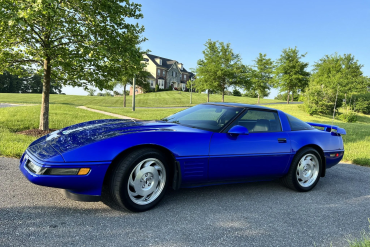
238, 130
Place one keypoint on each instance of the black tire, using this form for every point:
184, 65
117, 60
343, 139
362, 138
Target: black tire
290, 180
115, 191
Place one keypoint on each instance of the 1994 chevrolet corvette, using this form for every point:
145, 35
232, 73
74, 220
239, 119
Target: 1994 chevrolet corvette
130, 164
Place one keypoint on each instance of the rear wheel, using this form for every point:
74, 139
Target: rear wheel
139, 181
305, 170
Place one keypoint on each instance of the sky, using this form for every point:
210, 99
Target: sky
179, 29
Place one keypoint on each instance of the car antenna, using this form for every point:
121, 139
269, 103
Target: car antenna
335, 105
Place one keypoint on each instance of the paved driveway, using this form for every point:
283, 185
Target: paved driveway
254, 214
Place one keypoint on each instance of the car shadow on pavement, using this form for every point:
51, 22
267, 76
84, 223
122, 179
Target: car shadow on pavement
250, 214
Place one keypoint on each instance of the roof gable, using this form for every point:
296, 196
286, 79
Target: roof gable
166, 63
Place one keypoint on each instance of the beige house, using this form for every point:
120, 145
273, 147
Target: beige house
166, 73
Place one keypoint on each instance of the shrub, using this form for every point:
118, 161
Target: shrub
156, 88
361, 103
251, 94
350, 117
145, 87
284, 97
236, 92
318, 100
116, 93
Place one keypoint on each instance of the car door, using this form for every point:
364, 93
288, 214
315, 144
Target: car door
263, 153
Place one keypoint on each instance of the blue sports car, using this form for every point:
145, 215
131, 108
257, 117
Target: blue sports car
130, 164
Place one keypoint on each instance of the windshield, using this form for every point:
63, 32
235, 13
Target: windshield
208, 117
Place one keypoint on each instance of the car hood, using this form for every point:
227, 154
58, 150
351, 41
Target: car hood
50, 147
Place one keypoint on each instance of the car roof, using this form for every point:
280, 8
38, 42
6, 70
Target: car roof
239, 105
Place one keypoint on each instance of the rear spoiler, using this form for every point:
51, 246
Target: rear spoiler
329, 128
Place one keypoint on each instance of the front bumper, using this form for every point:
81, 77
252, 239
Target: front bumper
88, 185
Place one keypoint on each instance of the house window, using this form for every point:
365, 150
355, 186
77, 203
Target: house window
183, 86
161, 84
160, 61
185, 77
151, 83
159, 72
163, 72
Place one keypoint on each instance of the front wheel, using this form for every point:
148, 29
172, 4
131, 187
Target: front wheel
305, 170
139, 181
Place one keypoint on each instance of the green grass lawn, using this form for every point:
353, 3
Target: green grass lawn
14, 119
166, 98
140, 113
356, 142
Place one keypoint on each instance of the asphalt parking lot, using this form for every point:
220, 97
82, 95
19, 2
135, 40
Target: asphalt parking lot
251, 214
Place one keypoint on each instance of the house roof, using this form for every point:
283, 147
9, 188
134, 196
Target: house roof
166, 63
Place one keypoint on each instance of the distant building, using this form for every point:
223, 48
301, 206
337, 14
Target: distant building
166, 73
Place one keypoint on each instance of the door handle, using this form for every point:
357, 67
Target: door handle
282, 140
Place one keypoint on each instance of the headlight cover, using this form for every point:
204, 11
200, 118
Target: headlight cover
56, 171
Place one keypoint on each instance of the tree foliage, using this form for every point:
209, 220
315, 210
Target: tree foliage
333, 74
219, 69
10, 83
236, 92
126, 79
78, 43
262, 76
290, 74
90, 91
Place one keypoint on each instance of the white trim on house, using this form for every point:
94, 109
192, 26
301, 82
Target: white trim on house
161, 83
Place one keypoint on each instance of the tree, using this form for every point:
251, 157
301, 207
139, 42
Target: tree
290, 74
332, 75
91, 91
33, 84
251, 94
126, 79
261, 76
10, 83
219, 69
236, 92
77, 43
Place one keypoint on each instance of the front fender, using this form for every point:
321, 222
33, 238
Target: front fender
179, 143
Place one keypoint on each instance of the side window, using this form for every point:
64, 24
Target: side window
260, 121
296, 124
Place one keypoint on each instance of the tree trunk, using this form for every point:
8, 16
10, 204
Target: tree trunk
207, 95
223, 95
292, 96
124, 95
44, 116
258, 101
288, 97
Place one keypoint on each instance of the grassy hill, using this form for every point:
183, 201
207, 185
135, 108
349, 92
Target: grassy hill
167, 98
356, 142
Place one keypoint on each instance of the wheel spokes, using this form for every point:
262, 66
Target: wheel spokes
146, 181
307, 170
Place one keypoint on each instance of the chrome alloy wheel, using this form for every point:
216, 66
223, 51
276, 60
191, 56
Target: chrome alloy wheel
146, 181
307, 170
